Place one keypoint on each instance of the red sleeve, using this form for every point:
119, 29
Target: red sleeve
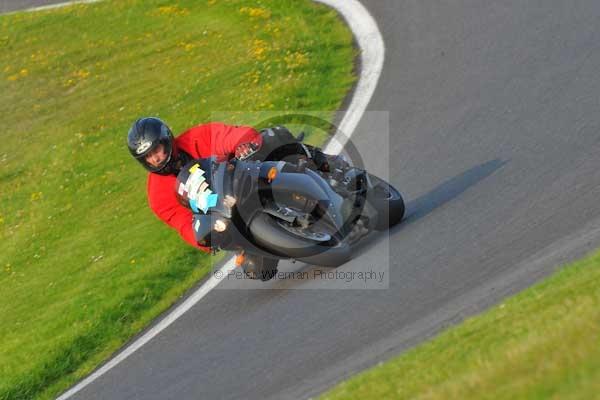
163, 202
225, 138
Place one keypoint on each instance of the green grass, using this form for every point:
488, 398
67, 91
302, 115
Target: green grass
84, 264
543, 343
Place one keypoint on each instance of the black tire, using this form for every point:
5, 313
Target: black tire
388, 203
273, 238
332, 257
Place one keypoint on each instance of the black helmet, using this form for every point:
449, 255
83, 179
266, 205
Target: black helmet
144, 136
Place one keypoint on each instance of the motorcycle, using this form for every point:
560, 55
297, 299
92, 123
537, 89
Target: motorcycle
266, 211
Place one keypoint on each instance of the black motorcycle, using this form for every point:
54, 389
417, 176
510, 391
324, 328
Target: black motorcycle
265, 211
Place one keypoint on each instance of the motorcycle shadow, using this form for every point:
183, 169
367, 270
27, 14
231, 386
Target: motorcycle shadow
300, 275
442, 194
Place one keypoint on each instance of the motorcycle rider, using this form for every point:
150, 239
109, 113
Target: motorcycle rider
151, 142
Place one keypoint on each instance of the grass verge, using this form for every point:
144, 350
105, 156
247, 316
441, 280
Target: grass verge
542, 343
84, 263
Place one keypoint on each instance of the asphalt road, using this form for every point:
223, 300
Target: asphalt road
494, 113
14, 5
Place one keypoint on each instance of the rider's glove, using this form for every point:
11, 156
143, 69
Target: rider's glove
328, 162
338, 162
245, 150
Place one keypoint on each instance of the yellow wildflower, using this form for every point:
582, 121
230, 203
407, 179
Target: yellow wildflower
82, 74
172, 10
35, 196
295, 60
21, 74
259, 49
255, 12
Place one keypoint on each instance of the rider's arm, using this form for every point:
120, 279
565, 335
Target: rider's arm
161, 196
224, 139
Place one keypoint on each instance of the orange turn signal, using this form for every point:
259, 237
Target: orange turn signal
239, 260
272, 174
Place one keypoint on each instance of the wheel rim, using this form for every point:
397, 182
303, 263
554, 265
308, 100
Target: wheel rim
306, 234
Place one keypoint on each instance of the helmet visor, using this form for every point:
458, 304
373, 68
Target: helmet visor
157, 157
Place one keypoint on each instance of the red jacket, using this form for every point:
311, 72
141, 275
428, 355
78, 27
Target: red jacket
213, 139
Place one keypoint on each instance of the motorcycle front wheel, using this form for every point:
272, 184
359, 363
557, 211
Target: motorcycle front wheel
387, 201
310, 247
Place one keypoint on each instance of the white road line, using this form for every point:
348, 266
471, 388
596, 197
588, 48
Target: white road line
372, 50
51, 6
155, 330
